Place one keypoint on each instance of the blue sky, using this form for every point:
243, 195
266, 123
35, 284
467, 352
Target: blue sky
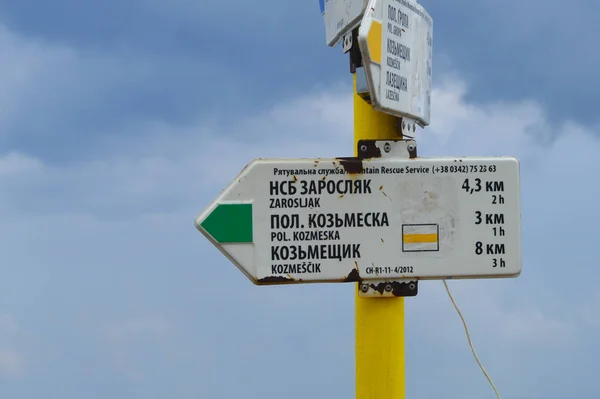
121, 121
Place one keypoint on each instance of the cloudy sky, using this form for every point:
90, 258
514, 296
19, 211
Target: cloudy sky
121, 120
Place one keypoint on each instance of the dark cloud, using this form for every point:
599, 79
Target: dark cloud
179, 60
514, 49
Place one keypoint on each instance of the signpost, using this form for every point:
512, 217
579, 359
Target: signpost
384, 218
396, 43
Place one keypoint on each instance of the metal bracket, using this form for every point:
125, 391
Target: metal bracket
354, 52
347, 42
388, 288
395, 148
399, 148
408, 127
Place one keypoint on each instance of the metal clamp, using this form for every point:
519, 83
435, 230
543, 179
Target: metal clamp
395, 148
407, 126
400, 148
347, 42
388, 288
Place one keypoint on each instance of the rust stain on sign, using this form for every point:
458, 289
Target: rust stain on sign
368, 149
354, 275
397, 288
383, 192
353, 166
275, 280
412, 152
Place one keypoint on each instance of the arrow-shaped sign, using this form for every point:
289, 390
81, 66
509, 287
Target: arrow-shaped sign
332, 220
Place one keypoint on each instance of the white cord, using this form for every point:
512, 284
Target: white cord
469, 339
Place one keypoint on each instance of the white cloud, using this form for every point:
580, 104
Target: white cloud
8, 325
54, 94
490, 318
529, 324
39, 79
16, 165
127, 340
135, 327
12, 361
590, 312
12, 364
27, 60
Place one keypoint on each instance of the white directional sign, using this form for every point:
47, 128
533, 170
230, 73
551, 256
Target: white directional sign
330, 220
341, 16
396, 40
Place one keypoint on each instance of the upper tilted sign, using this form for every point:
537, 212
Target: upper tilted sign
341, 16
346, 219
396, 42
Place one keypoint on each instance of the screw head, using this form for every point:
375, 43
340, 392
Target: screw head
363, 148
388, 287
411, 147
364, 288
387, 147
411, 286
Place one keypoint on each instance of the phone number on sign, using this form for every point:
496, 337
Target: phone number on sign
464, 169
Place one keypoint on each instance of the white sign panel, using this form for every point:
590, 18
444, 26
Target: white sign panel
336, 220
396, 40
341, 16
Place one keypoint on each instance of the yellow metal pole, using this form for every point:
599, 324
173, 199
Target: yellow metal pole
379, 321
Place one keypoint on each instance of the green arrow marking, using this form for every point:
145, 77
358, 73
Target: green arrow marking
229, 223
